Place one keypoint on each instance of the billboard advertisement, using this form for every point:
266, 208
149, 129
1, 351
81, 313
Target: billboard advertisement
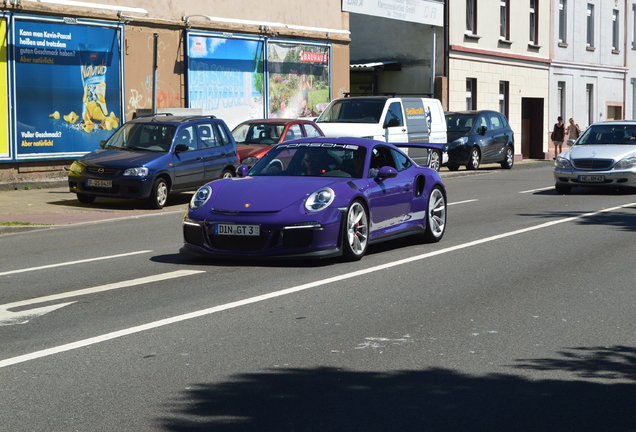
225, 77
4, 131
298, 79
67, 82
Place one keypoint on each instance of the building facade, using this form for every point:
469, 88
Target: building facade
72, 72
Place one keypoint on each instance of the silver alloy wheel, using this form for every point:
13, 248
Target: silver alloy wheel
474, 159
162, 193
227, 174
435, 161
436, 214
357, 228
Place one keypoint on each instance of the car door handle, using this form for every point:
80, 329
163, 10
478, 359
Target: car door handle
199, 157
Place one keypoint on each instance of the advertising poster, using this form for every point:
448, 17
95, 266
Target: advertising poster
4, 133
298, 84
67, 87
225, 77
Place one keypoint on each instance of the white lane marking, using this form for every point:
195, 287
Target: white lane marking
72, 262
537, 190
9, 318
215, 309
462, 202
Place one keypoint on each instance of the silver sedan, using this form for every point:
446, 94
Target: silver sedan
603, 156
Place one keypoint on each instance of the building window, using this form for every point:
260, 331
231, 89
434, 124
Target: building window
590, 25
471, 16
634, 27
504, 19
561, 98
563, 21
589, 102
503, 97
615, 24
534, 28
471, 93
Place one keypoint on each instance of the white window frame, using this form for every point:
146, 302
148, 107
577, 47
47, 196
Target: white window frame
590, 25
563, 21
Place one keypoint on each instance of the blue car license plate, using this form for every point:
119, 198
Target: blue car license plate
237, 230
99, 183
591, 178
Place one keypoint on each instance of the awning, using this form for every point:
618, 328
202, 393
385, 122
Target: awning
388, 65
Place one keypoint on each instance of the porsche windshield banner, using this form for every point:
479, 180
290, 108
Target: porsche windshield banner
67, 87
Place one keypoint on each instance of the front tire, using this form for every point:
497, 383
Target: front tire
158, 195
509, 160
563, 189
475, 159
227, 173
355, 237
85, 199
435, 216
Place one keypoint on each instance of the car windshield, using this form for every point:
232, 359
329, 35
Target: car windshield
609, 134
258, 133
354, 110
142, 137
459, 122
316, 159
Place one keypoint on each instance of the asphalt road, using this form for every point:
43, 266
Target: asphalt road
520, 319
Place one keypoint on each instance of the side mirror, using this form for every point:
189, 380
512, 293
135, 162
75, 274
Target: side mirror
392, 122
180, 148
102, 143
386, 172
482, 130
242, 170
570, 142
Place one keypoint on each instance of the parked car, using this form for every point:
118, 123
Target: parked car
333, 196
390, 119
255, 137
476, 137
152, 156
603, 156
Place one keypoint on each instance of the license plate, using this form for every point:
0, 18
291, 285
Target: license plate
99, 183
237, 230
592, 178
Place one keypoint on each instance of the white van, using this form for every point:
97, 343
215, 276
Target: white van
391, 119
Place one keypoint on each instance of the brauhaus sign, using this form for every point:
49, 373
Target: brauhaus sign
420, 11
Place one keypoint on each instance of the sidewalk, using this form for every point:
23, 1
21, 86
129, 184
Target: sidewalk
50, 207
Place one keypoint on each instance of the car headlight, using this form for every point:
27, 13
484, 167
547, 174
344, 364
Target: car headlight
320, 199
136, 172
626, 163
562, 162
200, 197
77, 167
249, 161
459, 142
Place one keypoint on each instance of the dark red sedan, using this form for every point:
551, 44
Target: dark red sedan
254, 138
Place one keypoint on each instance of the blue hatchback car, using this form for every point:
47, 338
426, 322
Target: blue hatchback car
152, 156
477, 137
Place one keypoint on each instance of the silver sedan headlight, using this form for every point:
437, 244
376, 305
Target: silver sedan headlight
136, 172
320, 199
562, 162
200, 197
627, 163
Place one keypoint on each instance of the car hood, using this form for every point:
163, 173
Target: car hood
350, 129
264, 194
604, 151
248, 150
120, 158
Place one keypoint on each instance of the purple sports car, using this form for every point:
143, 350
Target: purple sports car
317, 197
